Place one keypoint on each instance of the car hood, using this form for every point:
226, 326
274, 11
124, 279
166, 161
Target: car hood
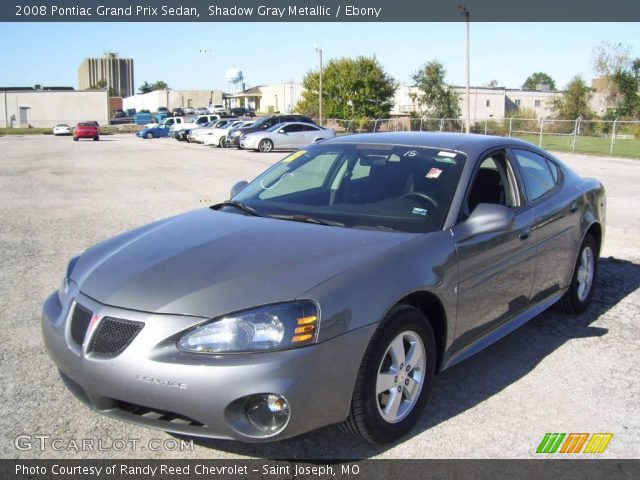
206, 263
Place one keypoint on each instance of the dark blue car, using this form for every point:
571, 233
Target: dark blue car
155, 132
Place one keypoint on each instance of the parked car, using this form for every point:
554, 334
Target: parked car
131, 112
218, 136
154, 132
243, 112
189, 111
199, 134
161, 114
170, 121
330, 289
198, 121
182, 135
118, 114
142, 117
217, 108
285, 136
62, 129
177, 112
86, 130
233, 139
201, 111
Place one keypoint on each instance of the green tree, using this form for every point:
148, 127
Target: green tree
574, 102
434, 97
351, 88
146, 87
619, 78
539, 78
159, 85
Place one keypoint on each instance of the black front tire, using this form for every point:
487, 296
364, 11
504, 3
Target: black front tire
365, 420
572, 301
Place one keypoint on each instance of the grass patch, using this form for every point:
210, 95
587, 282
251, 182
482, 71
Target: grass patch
25, 131
589, 145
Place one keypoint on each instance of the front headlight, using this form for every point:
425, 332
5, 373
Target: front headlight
272, 327
63, 289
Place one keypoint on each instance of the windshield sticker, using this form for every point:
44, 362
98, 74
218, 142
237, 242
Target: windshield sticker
447, 154
433, 173
293, 156
419, 211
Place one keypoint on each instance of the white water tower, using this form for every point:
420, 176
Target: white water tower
235, 78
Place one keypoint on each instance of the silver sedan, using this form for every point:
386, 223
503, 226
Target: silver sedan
285, 136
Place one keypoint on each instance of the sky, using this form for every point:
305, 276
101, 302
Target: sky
197, 55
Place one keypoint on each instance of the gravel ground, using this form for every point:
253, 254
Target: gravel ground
556, 374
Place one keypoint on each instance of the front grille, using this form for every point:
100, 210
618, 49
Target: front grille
79, 323
158, 415
113, 335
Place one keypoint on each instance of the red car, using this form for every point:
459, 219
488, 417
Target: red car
86, 130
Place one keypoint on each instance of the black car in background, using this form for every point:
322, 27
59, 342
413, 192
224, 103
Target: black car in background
177, 112
243, 112
233, 139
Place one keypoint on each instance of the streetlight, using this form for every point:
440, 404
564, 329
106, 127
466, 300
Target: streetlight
319, 50
465, 13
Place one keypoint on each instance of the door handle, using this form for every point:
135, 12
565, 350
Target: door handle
525, 233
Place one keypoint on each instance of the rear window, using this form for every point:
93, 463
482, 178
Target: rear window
87, 124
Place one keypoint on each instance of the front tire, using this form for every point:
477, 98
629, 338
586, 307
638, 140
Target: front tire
580, 293
95, 139
222, 142
265, 145
395, 378
149, 135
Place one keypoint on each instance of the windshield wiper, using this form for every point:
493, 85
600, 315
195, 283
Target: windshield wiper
307, 219
240, 206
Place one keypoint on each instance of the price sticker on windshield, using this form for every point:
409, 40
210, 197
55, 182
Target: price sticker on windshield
433, 173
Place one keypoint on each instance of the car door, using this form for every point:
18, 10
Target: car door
289, 136
495, 270
557, 218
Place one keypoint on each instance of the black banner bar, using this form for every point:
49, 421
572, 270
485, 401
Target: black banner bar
306, 470
318, 10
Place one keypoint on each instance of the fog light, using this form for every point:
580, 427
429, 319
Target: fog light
268, 412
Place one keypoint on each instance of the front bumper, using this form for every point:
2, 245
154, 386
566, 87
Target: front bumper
152, 383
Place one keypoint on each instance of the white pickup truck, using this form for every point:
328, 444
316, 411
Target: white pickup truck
196, 122
170, 121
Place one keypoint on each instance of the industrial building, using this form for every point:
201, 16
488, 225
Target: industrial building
280, 97
173, 99
115, 72
44, 107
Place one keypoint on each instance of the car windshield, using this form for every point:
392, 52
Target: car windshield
386, 187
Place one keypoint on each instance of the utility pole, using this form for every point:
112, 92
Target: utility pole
465, 13
319, 50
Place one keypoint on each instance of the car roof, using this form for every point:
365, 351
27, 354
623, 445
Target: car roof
284, 124
464, 142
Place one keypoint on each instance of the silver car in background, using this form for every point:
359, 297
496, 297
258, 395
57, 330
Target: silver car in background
285, 136
329, 290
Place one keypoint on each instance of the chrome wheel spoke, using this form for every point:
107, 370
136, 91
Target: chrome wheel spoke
393, 405
415, 355
410, 388
396, 350
385, 382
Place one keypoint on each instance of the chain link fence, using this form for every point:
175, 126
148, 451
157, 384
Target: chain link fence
614, 138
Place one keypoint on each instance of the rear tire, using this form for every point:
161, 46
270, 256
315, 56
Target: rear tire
265, 145
75, 139
585, 273
395, 378
222, 142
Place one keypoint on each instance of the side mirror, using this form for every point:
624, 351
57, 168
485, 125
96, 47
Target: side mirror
238, 187
486, 218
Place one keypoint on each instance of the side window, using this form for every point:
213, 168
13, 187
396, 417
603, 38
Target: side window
494, 182
292, 128
539, 175
309, 128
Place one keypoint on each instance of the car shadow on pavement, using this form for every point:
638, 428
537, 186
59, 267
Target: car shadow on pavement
471, 382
